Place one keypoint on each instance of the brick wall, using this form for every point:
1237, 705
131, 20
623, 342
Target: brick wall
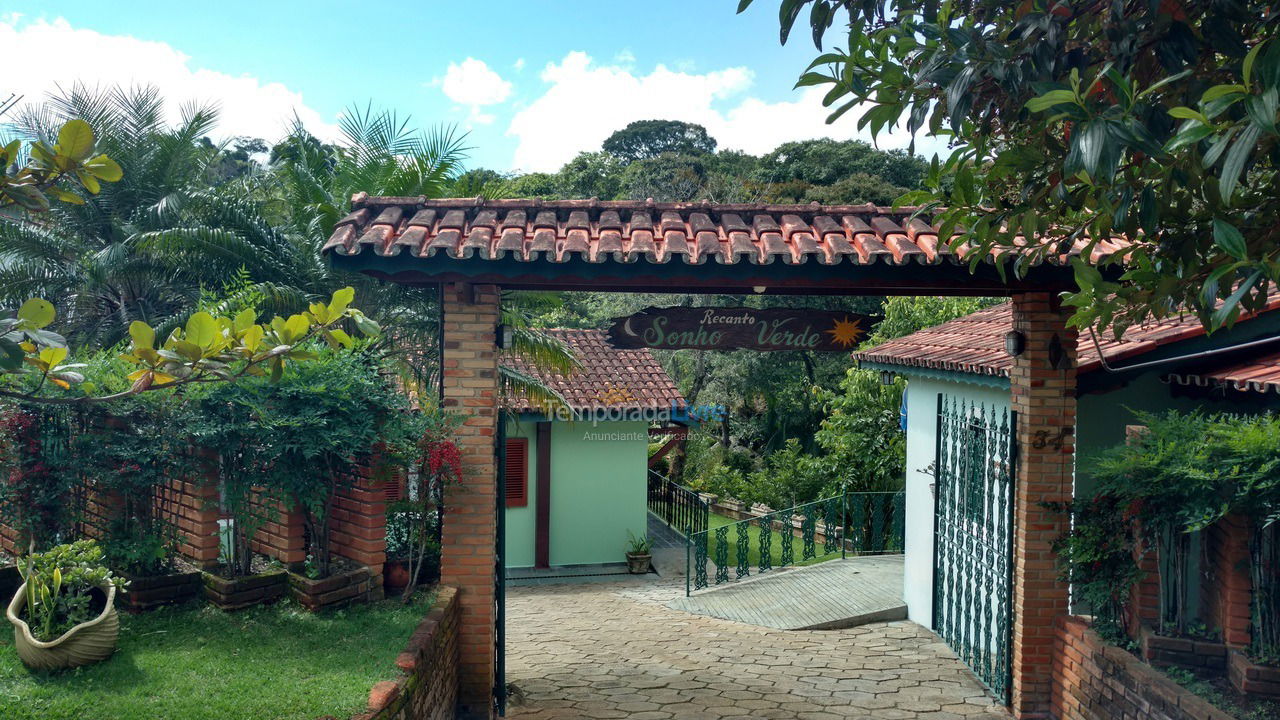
1043, 395
1096, 681
427, 688
468, 553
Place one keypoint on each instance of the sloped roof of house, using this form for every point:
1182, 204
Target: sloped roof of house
610, 379
596, 231
975, 343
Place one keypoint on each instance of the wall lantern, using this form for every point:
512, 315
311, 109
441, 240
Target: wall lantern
505, 336
1015, 342
886, 377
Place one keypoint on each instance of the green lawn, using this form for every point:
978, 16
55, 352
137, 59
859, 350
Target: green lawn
753, 553
199, 663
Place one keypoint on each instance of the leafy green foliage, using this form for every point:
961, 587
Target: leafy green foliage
206, 349
51, 169
301, 439
1096, 556
61, 585
1183, 473
1073, 123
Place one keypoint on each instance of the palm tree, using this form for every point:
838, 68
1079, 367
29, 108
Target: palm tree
174, 233
88, 258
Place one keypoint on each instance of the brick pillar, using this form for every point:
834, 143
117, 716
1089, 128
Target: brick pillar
1044, 398
468, 553
1228, 594
358, 527
192, 506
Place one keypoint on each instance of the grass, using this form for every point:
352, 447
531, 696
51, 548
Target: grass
198, 663
753, 552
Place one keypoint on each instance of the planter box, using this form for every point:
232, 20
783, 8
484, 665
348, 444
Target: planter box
10, 579
1182, 652
333, 591
1247, 677
145, 593
241, 592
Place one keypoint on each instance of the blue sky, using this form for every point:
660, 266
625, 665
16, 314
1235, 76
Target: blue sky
533, 82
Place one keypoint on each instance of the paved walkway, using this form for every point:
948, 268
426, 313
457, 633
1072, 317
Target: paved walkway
614, 650
836, 593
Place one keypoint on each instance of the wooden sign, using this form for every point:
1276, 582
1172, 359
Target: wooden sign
686, 328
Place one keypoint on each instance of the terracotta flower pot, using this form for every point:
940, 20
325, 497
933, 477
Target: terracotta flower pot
89, 642
638, 563
395, 574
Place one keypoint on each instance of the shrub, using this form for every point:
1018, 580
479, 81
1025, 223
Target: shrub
302, 439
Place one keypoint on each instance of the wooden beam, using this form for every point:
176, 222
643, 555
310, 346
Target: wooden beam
542, 499
670, 445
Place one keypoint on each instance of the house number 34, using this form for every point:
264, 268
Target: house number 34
1044, 438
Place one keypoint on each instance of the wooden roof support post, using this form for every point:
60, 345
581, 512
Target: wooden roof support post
468, 557
1043, 386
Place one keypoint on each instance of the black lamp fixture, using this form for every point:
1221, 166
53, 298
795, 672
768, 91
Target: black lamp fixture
1015, 342
505, 336
886, 377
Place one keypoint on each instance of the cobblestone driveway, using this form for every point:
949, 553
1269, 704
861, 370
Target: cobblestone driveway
615, 651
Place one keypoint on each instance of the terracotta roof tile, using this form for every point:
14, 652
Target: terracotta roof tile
975, 343
626, 231
1260, 374
609, 379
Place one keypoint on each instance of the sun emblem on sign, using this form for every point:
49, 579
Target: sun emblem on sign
845, 332
615, 395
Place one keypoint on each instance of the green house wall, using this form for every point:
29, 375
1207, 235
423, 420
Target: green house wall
598, 492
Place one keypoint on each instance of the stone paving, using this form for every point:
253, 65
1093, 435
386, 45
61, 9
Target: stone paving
613, 650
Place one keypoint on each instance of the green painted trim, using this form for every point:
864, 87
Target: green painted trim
991, 381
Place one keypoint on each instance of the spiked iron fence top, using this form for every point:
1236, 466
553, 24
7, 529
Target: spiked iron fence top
861, 523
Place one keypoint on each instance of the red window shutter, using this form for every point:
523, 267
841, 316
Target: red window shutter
516, 482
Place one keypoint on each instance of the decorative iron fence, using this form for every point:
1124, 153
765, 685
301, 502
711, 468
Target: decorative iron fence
678, 506
973, 537
865, 523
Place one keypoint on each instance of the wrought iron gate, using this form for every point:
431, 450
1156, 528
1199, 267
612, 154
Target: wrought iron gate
973, 537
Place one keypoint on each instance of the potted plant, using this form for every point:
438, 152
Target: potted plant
64, 612
638, 556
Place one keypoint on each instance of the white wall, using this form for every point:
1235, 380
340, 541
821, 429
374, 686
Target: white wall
922, 425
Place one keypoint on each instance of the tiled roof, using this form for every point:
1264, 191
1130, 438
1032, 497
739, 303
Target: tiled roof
625, 231
975, 343
610, 379
1261, 374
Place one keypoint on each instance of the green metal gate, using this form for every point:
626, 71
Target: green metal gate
973, 537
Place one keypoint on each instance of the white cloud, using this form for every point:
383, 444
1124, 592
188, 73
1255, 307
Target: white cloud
584, 103
518, 64
247, 105
474, 84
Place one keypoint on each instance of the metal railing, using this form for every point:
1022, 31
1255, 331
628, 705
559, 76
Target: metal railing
678, 506
860, 523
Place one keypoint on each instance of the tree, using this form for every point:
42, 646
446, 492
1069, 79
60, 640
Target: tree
650, 138
827, 162
1075, 120
665, 178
